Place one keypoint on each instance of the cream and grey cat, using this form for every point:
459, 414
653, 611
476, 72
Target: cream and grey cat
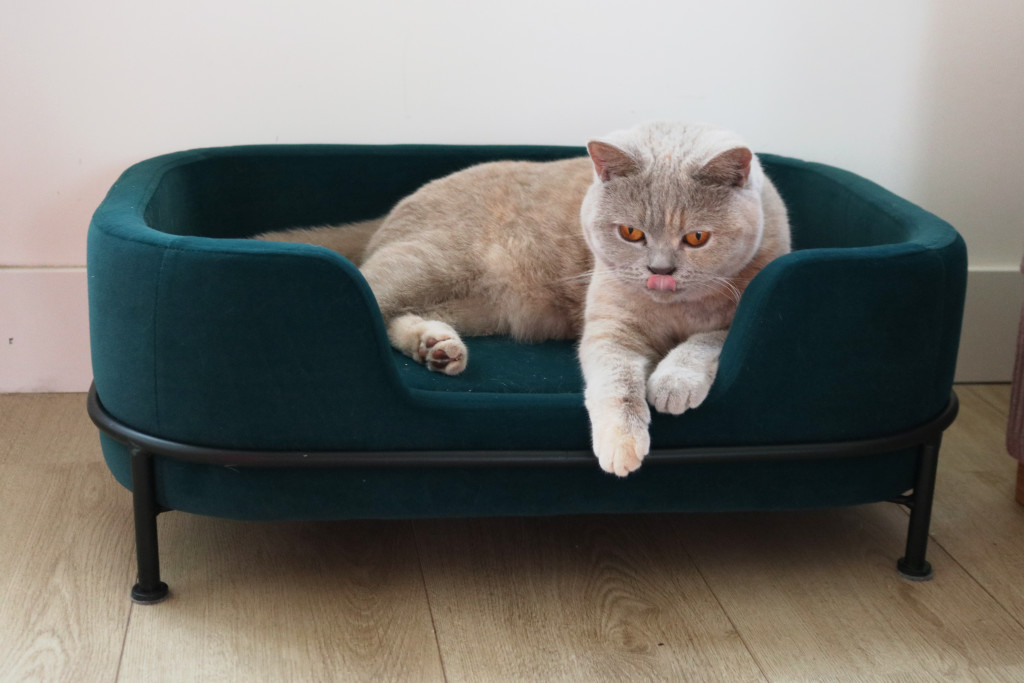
641, 251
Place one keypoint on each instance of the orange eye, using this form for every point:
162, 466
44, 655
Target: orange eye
697, 238
631, 234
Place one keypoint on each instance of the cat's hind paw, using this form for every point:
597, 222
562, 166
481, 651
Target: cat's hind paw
443, 355
432, 343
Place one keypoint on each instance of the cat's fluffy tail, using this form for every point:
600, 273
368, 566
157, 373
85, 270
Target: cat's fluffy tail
349, 240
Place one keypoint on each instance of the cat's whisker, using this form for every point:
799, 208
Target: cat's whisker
717, 284
586, 275
730, 287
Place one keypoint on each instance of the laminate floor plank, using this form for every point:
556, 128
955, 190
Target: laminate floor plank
604, 598
314, 601
64, 565
816, 597
755, 596
46, 429
976, 518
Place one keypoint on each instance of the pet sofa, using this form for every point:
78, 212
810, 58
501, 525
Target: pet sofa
253, 380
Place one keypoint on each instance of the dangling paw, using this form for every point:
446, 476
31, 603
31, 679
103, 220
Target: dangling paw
620, 436
620, 452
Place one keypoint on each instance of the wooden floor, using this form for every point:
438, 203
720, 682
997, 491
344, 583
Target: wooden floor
807, 596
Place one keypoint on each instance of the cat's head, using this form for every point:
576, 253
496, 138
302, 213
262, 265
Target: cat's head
675, 209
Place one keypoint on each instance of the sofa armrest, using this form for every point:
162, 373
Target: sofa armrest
245, 345
864, 340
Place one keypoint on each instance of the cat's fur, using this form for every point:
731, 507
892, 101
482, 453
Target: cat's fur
498, 249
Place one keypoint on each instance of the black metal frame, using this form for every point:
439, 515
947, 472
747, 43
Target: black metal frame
144, 448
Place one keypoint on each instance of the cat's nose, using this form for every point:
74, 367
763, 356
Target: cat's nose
662, 270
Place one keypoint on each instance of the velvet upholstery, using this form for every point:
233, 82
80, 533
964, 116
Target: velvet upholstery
202, 337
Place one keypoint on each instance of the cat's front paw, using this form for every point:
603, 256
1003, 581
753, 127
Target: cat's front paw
621, 438
620, 452
675, 389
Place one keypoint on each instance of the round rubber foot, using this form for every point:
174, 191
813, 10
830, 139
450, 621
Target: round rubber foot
923, 573
143, 596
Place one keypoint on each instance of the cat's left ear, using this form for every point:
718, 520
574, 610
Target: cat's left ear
610, 161
730, 168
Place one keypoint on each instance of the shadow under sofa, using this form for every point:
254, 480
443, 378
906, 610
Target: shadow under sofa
253, 380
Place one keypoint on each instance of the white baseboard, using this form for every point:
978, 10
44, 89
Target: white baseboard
44, 328
988, 342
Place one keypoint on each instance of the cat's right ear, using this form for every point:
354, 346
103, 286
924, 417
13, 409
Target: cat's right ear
610, 161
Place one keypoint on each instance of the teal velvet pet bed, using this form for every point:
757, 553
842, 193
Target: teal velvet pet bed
253, 380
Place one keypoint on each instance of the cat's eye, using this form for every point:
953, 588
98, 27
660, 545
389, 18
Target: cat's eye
630, 234
697, 238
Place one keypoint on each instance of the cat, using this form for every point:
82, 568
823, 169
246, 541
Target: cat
640, 250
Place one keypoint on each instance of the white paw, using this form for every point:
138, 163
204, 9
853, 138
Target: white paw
675, 389
621, 439
441, 350
431, 342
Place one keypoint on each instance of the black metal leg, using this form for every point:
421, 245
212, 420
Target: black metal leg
149, 589
912, 565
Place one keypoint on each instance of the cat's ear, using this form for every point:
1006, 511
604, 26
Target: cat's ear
730, 168
610, 161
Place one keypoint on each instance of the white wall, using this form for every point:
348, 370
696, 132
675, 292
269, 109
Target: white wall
923, 97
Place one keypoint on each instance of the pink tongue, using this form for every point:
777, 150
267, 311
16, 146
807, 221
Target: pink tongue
662, 283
